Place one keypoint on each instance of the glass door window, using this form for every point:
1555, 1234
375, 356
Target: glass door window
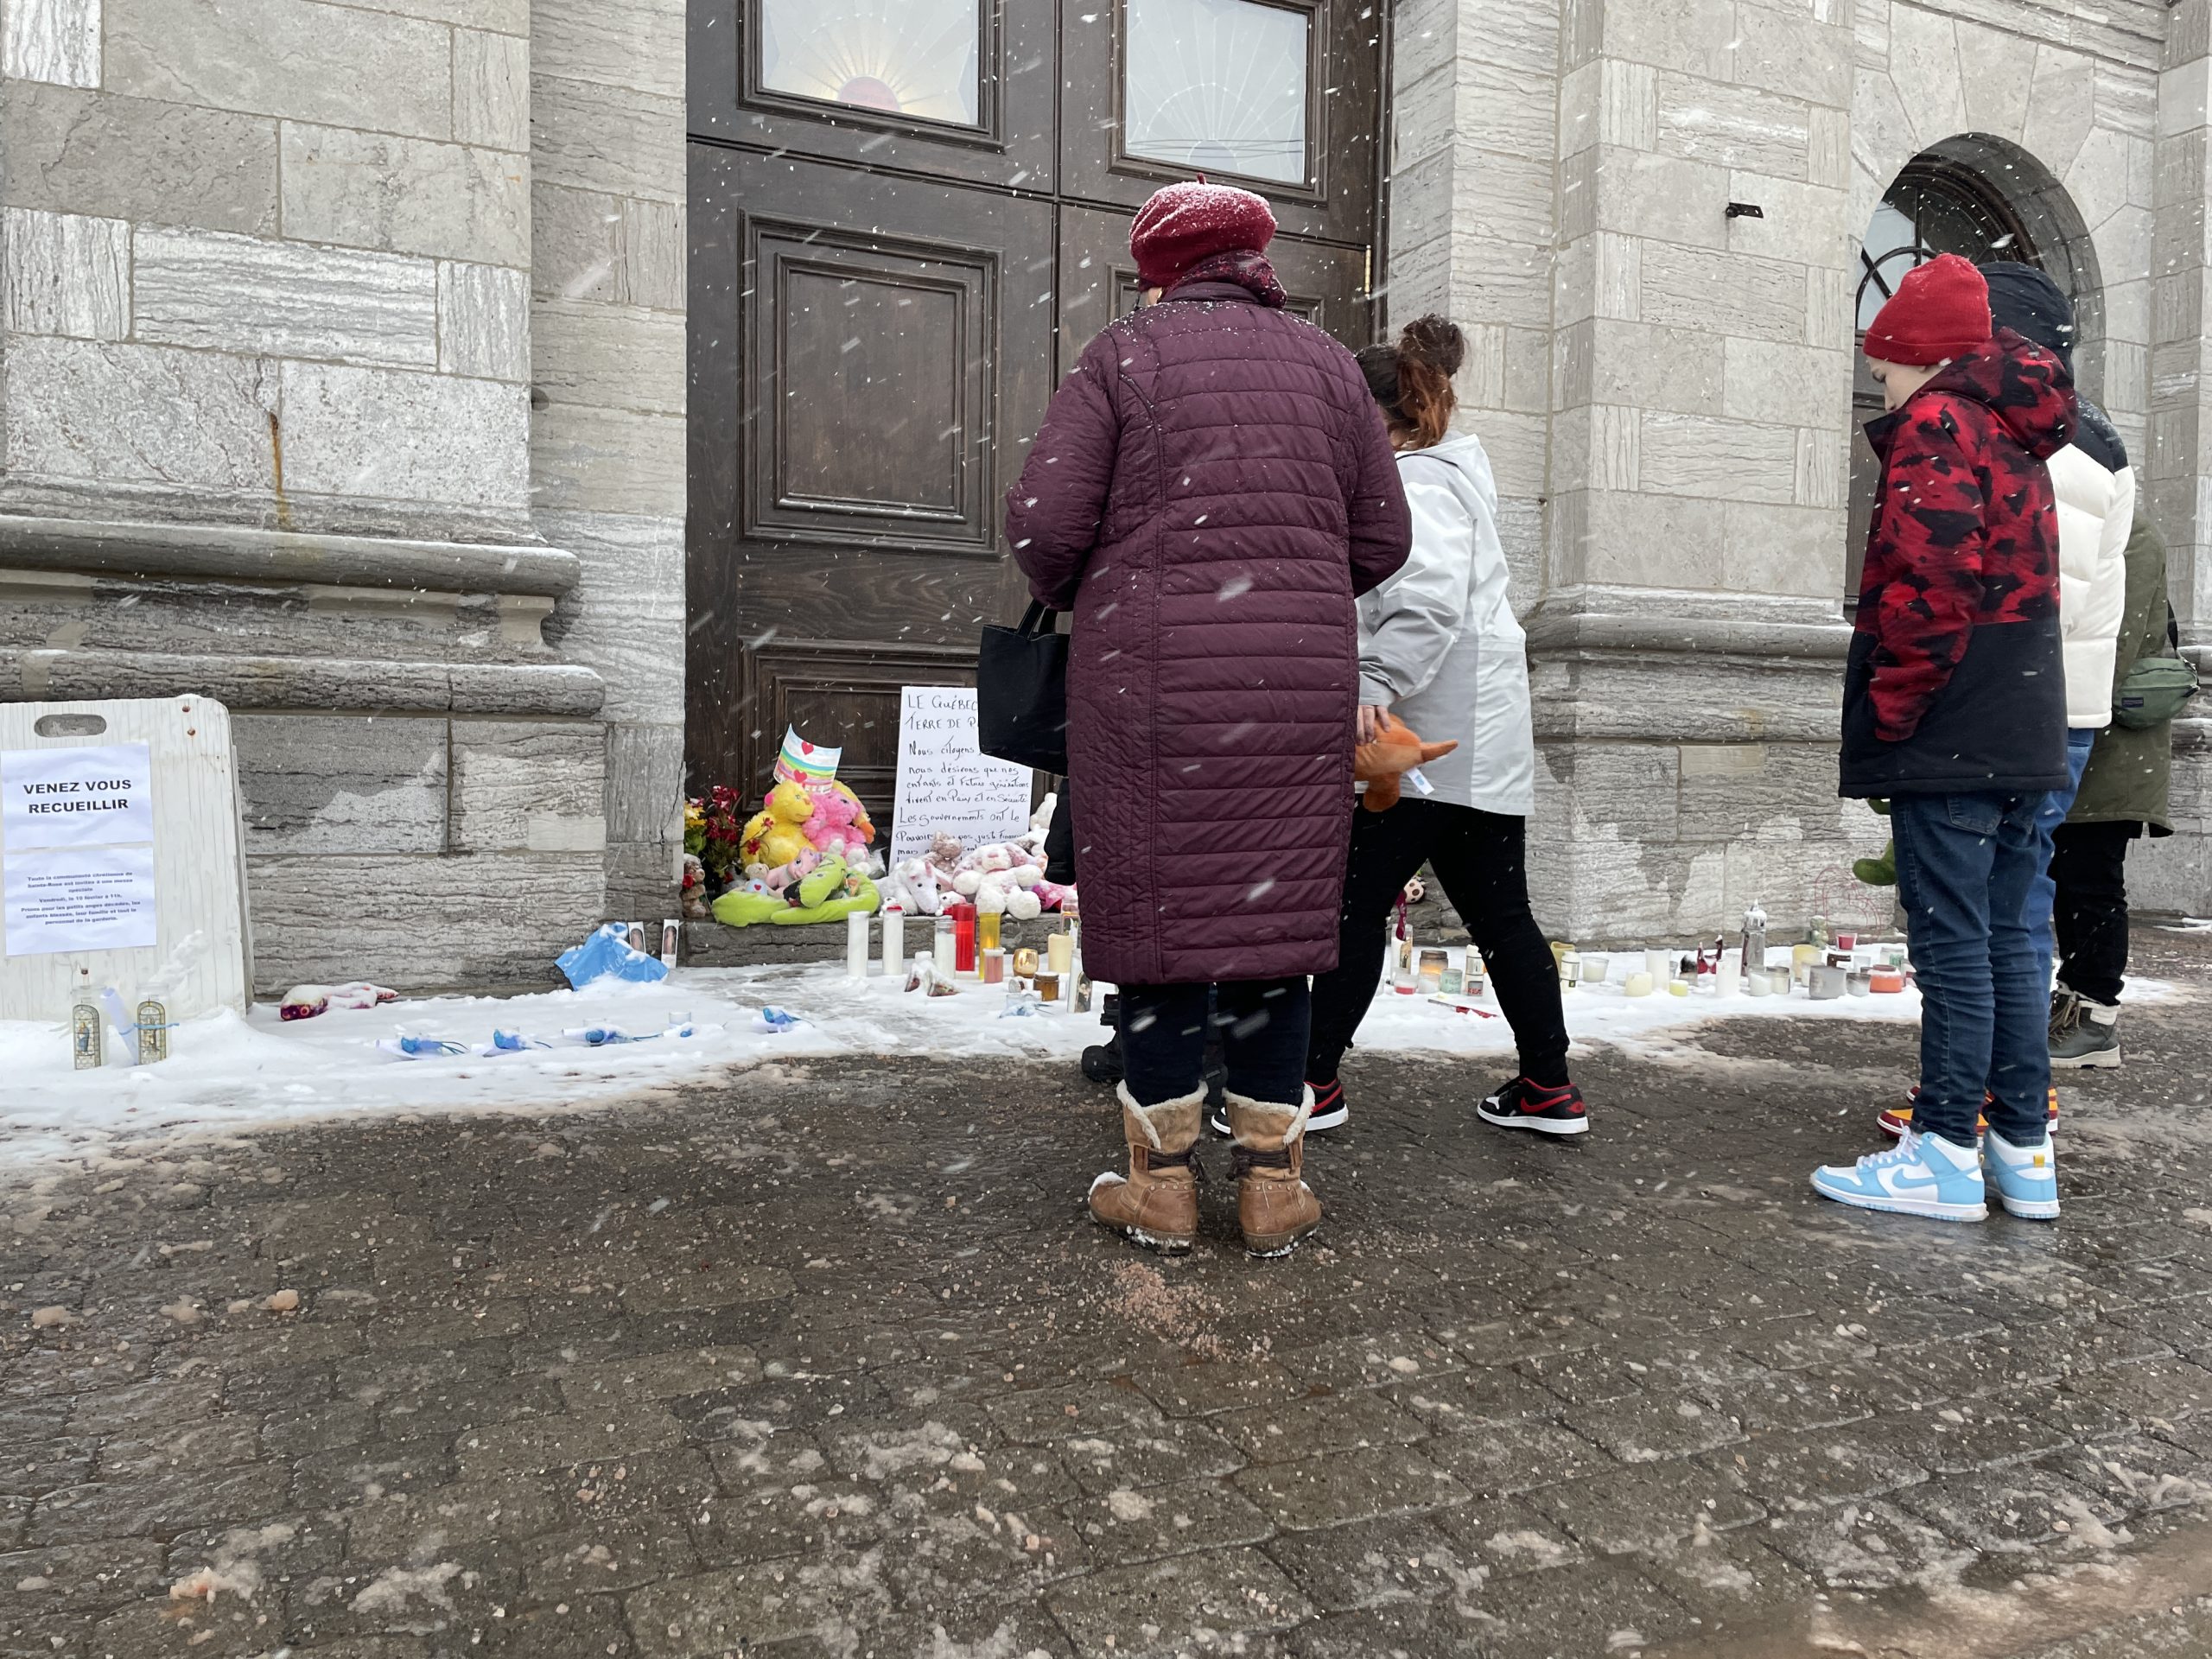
1218, 86
913, 58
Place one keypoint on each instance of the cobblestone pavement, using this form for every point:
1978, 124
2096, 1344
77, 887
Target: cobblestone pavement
827, 1361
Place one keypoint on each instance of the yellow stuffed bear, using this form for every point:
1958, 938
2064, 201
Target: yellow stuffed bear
776, 834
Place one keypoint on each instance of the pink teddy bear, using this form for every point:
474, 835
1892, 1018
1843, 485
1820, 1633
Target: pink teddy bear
830, 830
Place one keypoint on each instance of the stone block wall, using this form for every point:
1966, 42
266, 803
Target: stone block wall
2176, 874
1665, 387
607, 433
1474, 138
266, 263
340, 378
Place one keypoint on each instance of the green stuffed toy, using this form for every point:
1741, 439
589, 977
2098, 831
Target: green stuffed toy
742, 906
1878, 872
830, 891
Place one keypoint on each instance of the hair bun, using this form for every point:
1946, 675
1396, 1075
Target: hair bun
1434, 341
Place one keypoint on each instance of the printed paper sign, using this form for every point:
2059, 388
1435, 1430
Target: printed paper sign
80, 899
76, 796
946, 784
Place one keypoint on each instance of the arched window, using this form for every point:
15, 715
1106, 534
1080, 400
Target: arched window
1986, 201
1935, 206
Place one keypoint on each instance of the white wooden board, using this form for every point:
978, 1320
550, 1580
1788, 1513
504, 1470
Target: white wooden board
202, 954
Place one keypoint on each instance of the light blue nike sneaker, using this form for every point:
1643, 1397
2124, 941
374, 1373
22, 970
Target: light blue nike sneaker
2026, 1177
1921, 1175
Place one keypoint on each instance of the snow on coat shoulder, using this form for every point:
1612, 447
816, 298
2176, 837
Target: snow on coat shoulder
2096, 489
1439, 643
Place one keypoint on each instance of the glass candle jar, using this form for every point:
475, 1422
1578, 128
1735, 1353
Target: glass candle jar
987, 930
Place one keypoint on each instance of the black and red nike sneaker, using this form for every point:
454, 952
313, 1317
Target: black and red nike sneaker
1329, 1109
1522, 1104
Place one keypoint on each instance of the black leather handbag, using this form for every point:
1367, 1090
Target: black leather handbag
1021, 692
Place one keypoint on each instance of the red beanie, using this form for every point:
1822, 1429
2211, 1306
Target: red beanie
1185, 223
1941, 309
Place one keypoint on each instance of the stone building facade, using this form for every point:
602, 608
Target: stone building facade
346, 380
1666, 381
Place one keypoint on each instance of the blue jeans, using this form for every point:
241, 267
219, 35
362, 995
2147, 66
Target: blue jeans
1965, 865
2043, 897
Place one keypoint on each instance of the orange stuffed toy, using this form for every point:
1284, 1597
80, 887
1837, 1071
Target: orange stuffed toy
1395, 751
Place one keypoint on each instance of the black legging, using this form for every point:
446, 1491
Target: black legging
1480, 858
2089, 863
1262, 1024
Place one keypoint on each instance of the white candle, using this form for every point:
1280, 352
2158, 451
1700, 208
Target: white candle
894, 940
856, 951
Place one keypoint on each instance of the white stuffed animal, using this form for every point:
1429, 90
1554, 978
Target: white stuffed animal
914, 886
1040, 821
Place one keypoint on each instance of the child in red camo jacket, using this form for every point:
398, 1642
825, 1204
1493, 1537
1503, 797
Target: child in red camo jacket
1955, 711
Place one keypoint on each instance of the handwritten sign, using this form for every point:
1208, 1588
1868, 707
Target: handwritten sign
74, 899
946, 784
101, 796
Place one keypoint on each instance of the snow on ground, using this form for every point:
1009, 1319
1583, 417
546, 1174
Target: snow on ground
226, 1074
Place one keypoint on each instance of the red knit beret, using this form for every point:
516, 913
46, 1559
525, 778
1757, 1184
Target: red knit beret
1941, 309
1185, 223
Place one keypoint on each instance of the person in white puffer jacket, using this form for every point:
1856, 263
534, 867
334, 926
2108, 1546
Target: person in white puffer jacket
2095, 487
1440, 648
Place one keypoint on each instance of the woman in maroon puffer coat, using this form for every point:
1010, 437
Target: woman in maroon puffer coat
1211, 488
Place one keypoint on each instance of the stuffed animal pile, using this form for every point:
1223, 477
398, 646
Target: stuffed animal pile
812, 887
799, 818
805, 858
1005, 877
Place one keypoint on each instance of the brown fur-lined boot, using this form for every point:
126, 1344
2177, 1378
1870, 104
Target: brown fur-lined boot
1157, 1203
1275, 1207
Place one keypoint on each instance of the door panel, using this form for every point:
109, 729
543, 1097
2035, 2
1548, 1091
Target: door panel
1098, 281
866, 360
958, 88
1222, 82
862, 398
906, 217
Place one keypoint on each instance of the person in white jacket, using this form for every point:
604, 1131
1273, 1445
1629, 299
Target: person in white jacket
1440, 648
2095, 487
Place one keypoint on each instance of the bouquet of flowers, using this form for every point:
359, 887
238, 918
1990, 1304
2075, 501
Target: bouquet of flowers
714, 826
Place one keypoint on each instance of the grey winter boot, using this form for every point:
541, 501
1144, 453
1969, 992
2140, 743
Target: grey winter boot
2084, 1033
